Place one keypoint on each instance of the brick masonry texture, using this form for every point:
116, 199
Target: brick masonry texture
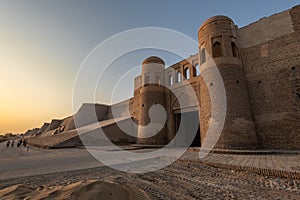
260, 68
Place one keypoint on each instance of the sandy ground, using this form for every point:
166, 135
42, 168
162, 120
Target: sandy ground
17, 162
30, 175
92, 190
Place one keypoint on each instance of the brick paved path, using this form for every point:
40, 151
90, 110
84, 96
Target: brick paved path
283, 164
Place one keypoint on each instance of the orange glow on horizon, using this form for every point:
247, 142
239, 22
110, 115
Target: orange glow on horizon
34, 88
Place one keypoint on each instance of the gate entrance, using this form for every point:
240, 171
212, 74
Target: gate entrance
188, 119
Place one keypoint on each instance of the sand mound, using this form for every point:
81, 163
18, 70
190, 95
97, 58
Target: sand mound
88, 190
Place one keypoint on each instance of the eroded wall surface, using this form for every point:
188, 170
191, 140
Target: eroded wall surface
271, 59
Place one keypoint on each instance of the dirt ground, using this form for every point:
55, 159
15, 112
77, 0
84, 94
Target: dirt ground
181, 180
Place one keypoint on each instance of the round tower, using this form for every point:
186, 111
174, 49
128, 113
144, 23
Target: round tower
152, 116
218, 42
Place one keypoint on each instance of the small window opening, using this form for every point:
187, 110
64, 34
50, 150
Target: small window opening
157, 80
217, 50
170, 80
178, 77
197, 69
234, 49
187, 73
147, 79
203, 56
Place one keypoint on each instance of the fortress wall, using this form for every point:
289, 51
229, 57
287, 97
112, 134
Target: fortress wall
295, 15
137, 82
44, 127
135, 104
270, 56
68, 123
117, 135
48, 140
101, 111
69, 143
134, 108
53, 125
149, 96
218, 37
119, 110
272, 71
90, 113
172, 104
90, 135
27, 132
32, 132
265, 29
125, 108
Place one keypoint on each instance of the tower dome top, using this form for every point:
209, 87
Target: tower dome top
215, 19
153, 59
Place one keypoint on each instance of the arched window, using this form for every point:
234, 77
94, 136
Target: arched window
170, 79
197, 67
202, 57
147, 79
217, 50
187, 73
157, 79
178, 77
234, 50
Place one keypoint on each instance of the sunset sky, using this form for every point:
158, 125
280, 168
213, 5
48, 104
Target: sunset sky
43, 43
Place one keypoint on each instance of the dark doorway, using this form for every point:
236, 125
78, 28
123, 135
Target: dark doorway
186, 121
197, 140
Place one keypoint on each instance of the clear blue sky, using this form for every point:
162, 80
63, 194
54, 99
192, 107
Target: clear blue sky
43, 43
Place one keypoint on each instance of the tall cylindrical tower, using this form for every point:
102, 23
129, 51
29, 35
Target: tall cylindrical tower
152, 116
218, 42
